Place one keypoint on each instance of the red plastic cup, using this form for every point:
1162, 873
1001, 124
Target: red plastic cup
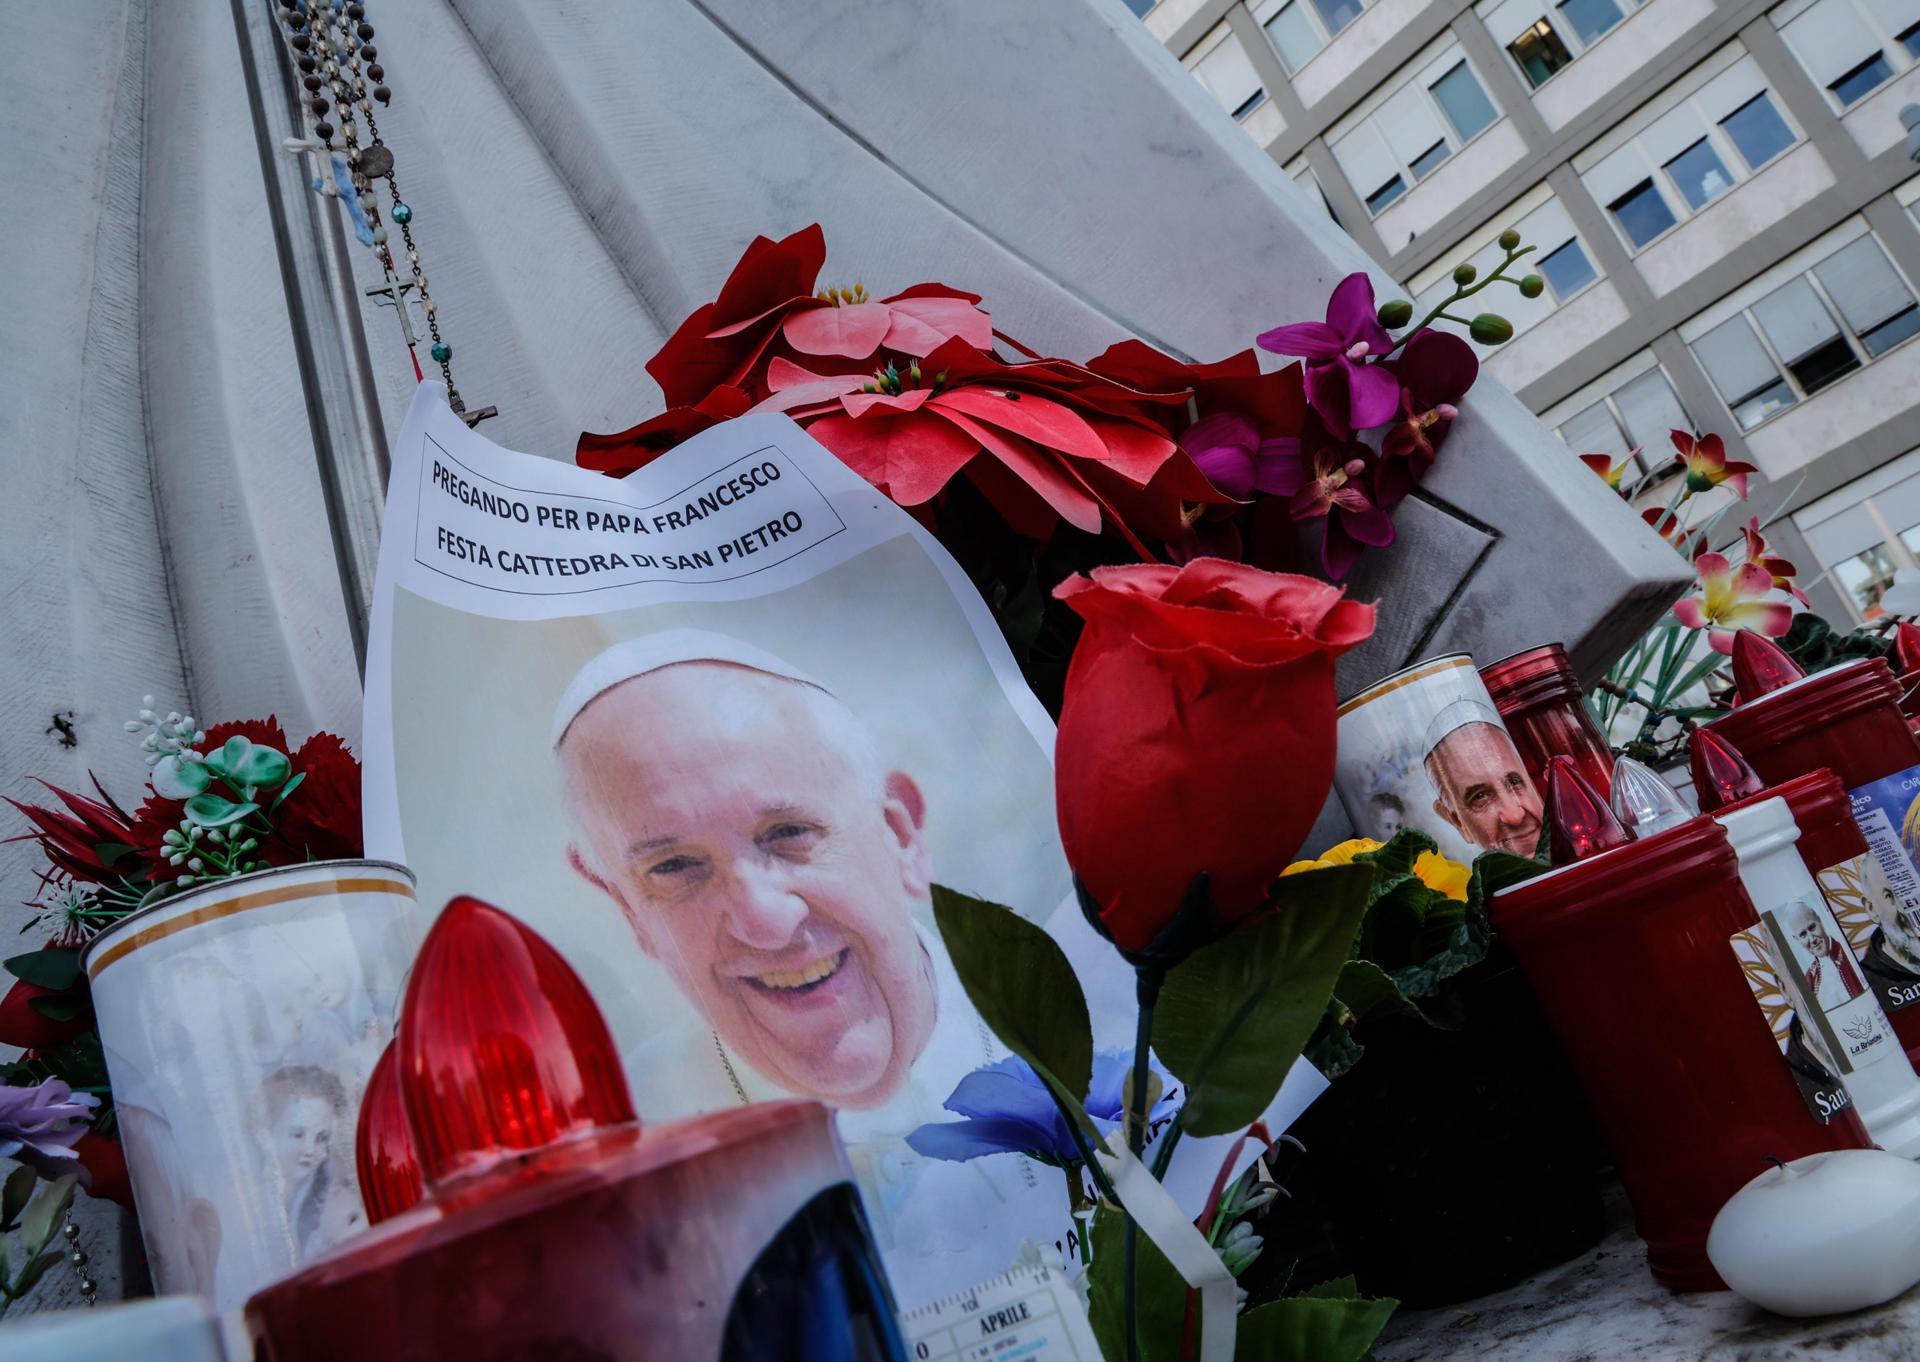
1629, 953
1539, 698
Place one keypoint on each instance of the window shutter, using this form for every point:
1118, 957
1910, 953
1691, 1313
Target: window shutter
1650, 409
1795, 320
1735, 360
1863, 284
1410, 123
1228, 72
1364, 157
1594, 431
1831, 39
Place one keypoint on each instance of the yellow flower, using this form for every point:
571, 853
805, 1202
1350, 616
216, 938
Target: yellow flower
1342, 854
1438, 873
1442, 875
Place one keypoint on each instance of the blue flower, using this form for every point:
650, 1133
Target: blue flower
1008, 1110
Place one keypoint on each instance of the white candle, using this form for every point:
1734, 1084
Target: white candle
1822, 1235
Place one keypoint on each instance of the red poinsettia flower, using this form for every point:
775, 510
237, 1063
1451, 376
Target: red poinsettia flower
769, 303
1275, 402
1781, 569
80, 843
620, 454
1707, 464
1041, 440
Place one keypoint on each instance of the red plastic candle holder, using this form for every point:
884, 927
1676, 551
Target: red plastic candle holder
1538, 696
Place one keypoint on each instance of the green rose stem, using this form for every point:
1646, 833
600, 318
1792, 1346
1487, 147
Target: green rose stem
1147, 981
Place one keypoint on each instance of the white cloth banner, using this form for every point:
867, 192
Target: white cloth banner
714, 730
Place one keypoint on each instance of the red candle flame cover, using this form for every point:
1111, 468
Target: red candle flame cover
1906, 660
1580, 823
1760, 665
550, 1226
1721, 774
1538, 695
383, 1146
501, 1048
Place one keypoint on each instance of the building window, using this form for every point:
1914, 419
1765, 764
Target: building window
1851, 47
1591, 19
1295, 35
1414, 130
1567, 269
1642, 213
1385, 194
1337, 14
1810, 331
1464, 102
1539, 53
1636, 415
1698, 174
1862, 81
1227, 72
1140, 7
1758, 131
1676, 161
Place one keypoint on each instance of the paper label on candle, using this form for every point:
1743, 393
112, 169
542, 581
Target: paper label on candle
1882, 899
1814, 1073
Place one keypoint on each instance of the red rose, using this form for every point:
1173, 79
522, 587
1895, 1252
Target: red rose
1197, 733
106, 1165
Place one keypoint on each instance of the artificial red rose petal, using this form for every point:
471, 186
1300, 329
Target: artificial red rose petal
106, 1164
24, 1025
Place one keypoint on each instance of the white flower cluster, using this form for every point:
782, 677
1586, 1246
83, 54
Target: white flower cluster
173, 736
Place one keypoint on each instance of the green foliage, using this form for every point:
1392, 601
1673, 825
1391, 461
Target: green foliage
29, 1239
1412, 942
1019, 980
56, 968
1162, 1294
1813, 644
1312, 1328
1235, 1014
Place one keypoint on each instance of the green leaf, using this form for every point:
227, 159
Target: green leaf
213, 811
1370, 991
31, 1274
1161, 1294
57, 967
57, 1009
1311, 1328
1339, 1289
42, 1218
263, 768
1233, 1017
15, 1192
111, 853
286, 790
1018, 979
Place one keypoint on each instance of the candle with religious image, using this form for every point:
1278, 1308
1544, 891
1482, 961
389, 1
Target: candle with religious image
1627, 951
1847, 719
1425, 748
1843, 1026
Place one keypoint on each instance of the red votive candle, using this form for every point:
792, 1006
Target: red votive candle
1847, 719
1538, 697
1631, 955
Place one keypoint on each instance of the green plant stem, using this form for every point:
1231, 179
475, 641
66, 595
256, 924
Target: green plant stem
1499, 272
1164, 1155
1147, 981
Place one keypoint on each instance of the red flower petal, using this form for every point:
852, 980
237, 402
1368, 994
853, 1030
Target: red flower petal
853, 331
909, 456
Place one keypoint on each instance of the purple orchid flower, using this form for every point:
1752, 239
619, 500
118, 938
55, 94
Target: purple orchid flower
1334, 478
1008, 1110
1346, 390
1227, 447
39, 1125
1435, 370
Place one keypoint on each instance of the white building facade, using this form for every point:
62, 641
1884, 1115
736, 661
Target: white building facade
1720, 197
